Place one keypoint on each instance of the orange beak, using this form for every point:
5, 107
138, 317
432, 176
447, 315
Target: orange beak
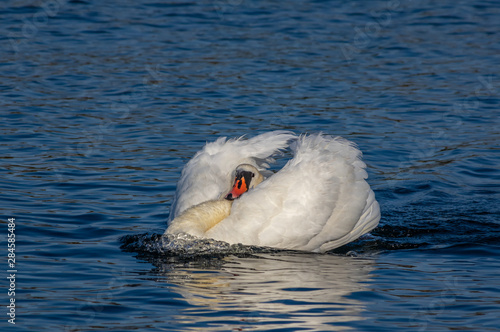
239, 187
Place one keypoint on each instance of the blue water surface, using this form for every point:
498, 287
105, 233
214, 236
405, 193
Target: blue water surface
103, 102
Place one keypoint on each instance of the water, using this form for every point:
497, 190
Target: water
102, 103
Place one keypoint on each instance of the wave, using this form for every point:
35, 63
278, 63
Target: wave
182, 246
403, 235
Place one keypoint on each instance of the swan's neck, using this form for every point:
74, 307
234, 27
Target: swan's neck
198, 219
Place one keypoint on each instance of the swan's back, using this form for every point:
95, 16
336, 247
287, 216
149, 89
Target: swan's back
318, 201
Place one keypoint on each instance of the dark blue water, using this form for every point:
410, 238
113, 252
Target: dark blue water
103, 102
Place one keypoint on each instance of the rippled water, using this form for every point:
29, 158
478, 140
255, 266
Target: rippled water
102, 103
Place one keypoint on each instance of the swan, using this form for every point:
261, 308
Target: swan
318, 201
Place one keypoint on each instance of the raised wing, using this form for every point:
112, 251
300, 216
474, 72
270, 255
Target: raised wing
318, 201
208, 175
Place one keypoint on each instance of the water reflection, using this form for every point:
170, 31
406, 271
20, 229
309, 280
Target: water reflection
270, 290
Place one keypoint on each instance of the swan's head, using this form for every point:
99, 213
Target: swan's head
246, 177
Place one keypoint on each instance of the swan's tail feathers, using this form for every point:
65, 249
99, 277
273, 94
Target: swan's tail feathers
326, 148
367, 222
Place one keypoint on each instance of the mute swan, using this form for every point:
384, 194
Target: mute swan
318, 201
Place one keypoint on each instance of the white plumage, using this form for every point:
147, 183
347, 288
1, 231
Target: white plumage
318, 201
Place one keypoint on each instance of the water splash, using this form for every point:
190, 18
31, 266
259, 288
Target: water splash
186, 246
413, 227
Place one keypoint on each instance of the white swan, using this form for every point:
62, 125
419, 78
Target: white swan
318, 201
